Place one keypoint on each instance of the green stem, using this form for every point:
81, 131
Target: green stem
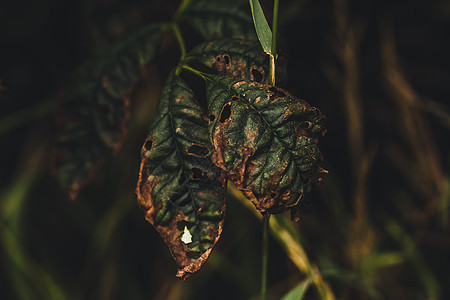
273, 56
190, 69
265, 255
177, 32
272, 69
180, 10
274, 27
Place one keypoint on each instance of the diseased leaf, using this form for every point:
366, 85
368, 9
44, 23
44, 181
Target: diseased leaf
179, 186
265, 140
241, 58
262, 27
214, 19
93, 111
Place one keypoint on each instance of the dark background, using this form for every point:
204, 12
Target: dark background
378, 228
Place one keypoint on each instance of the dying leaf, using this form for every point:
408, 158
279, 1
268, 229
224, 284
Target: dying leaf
179, 187
214, 19
94, 109
265, 140
240, 58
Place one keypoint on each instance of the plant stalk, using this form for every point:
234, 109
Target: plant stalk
272, 69
192, 70
180, 9
273, 56
265, 255
177, 32
274, 27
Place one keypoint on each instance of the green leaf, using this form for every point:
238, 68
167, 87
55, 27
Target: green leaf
214, 19
179, 186
240, 58
262, 27
298, 292
94, 109
265, 140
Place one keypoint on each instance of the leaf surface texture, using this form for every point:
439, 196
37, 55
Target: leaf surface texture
265, 140
179, 186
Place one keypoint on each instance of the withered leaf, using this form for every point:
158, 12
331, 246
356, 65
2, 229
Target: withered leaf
93, 111
265, 140
244, 59
179, 187
214, 19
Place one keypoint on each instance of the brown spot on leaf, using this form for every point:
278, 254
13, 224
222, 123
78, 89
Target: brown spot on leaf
251, 134
180, 98
276, 93
238, 68
205, 118
219, 143
145, 186
222, 64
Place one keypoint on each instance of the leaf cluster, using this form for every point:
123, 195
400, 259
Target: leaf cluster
259, 136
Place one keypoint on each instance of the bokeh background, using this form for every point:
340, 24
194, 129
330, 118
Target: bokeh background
377, 228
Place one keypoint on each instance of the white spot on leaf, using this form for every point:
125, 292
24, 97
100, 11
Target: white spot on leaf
186, 237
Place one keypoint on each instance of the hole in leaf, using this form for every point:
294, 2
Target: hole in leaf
226, 58
198, 174
305, 125
148, 145
218, 58
198, 150
234, 98
273, 195
257, 75
197, 85
212, 117
225, 113
276, 93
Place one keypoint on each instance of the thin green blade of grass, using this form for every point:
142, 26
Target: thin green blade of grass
289, 240
299, 291
411, 251
42, 280
262, 27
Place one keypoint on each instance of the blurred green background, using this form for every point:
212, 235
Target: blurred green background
378, 228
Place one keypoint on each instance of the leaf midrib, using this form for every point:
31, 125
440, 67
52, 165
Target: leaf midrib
173, 132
